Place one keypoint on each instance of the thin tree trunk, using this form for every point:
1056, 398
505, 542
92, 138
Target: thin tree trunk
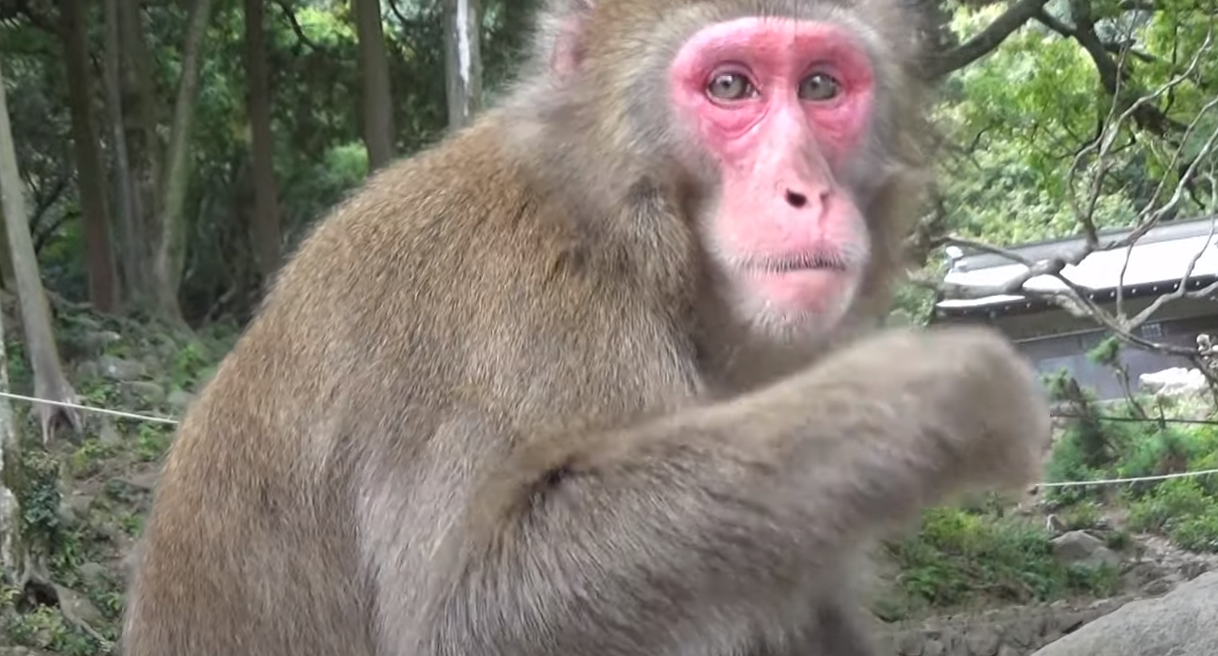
49, 380
144, 150
13, 554
171, 247
7, 272
264, 232
13, 565
379, 132
463, 61
89, 169
127, 233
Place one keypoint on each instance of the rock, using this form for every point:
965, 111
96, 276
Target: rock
67, 514
983, 641
108, 434
145, 481
180, 399
148, 391
93, 574
75, 509
1183, 622
120, 369
1082, 548
88, 369
75, 605
1173, 382
98, 339
909, 644
1158, 587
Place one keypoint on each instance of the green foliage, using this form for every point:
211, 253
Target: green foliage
1183, 509
152, 441
1107, 352
959, 557
189, 361
39, 497
45, 628
87, 459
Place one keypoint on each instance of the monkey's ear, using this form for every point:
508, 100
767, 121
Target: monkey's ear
567, 22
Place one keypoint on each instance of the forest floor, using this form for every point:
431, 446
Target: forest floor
87, 494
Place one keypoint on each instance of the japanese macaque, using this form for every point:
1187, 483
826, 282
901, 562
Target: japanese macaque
595, 375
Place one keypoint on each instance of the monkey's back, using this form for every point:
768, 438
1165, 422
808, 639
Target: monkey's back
396, 358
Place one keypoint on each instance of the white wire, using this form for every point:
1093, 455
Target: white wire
103, 411
167, 420
1135, 479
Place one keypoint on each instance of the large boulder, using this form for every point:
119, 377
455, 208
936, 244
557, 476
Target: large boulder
1183, 622
1176, 381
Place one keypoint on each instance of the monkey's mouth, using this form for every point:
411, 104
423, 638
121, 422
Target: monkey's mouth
824, 262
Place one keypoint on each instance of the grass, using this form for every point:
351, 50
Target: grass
965, 559
1185, 510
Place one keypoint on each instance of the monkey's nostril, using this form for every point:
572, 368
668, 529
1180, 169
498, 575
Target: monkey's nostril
797, 200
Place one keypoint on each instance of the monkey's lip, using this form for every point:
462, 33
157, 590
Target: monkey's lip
801, 285
798, 264
795, 267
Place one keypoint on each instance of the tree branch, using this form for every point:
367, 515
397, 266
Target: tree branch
944, 63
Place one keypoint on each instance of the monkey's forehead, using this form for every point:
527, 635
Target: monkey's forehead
615, 28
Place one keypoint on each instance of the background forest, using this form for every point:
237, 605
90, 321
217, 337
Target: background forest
160, 158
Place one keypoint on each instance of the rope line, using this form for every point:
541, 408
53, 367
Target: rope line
167, 420
1138, 420
1134, 479
88, 408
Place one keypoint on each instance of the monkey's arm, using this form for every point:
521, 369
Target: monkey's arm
712, 524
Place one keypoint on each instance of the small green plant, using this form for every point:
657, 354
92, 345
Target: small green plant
188, 363
151, 442
89, 457
957, 557
45, 628
1082, 516
1183, 510
132, 524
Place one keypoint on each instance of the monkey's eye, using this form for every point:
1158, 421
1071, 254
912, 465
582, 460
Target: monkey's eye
819, 87
730, 86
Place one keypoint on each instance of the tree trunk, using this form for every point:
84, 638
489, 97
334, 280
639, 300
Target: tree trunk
140, 125
89, 170
463, 61
170, 254
49, 380
264, 232
13, 564
379, 133
7, 273
127, 233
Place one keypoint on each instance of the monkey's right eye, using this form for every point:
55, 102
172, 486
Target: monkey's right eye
730, 86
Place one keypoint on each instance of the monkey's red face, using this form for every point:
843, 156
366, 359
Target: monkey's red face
781, 106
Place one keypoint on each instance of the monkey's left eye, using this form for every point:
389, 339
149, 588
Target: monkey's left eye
819, 87
730, 86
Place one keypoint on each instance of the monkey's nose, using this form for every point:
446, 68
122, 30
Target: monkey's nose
796, 199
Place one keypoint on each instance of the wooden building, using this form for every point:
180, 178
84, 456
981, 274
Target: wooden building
1054, 339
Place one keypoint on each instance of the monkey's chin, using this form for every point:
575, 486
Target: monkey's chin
822, 293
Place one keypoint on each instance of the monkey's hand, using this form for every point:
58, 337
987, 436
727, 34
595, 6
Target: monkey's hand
712, 522
961, 401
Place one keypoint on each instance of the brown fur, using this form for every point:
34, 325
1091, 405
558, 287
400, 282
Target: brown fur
482, 414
